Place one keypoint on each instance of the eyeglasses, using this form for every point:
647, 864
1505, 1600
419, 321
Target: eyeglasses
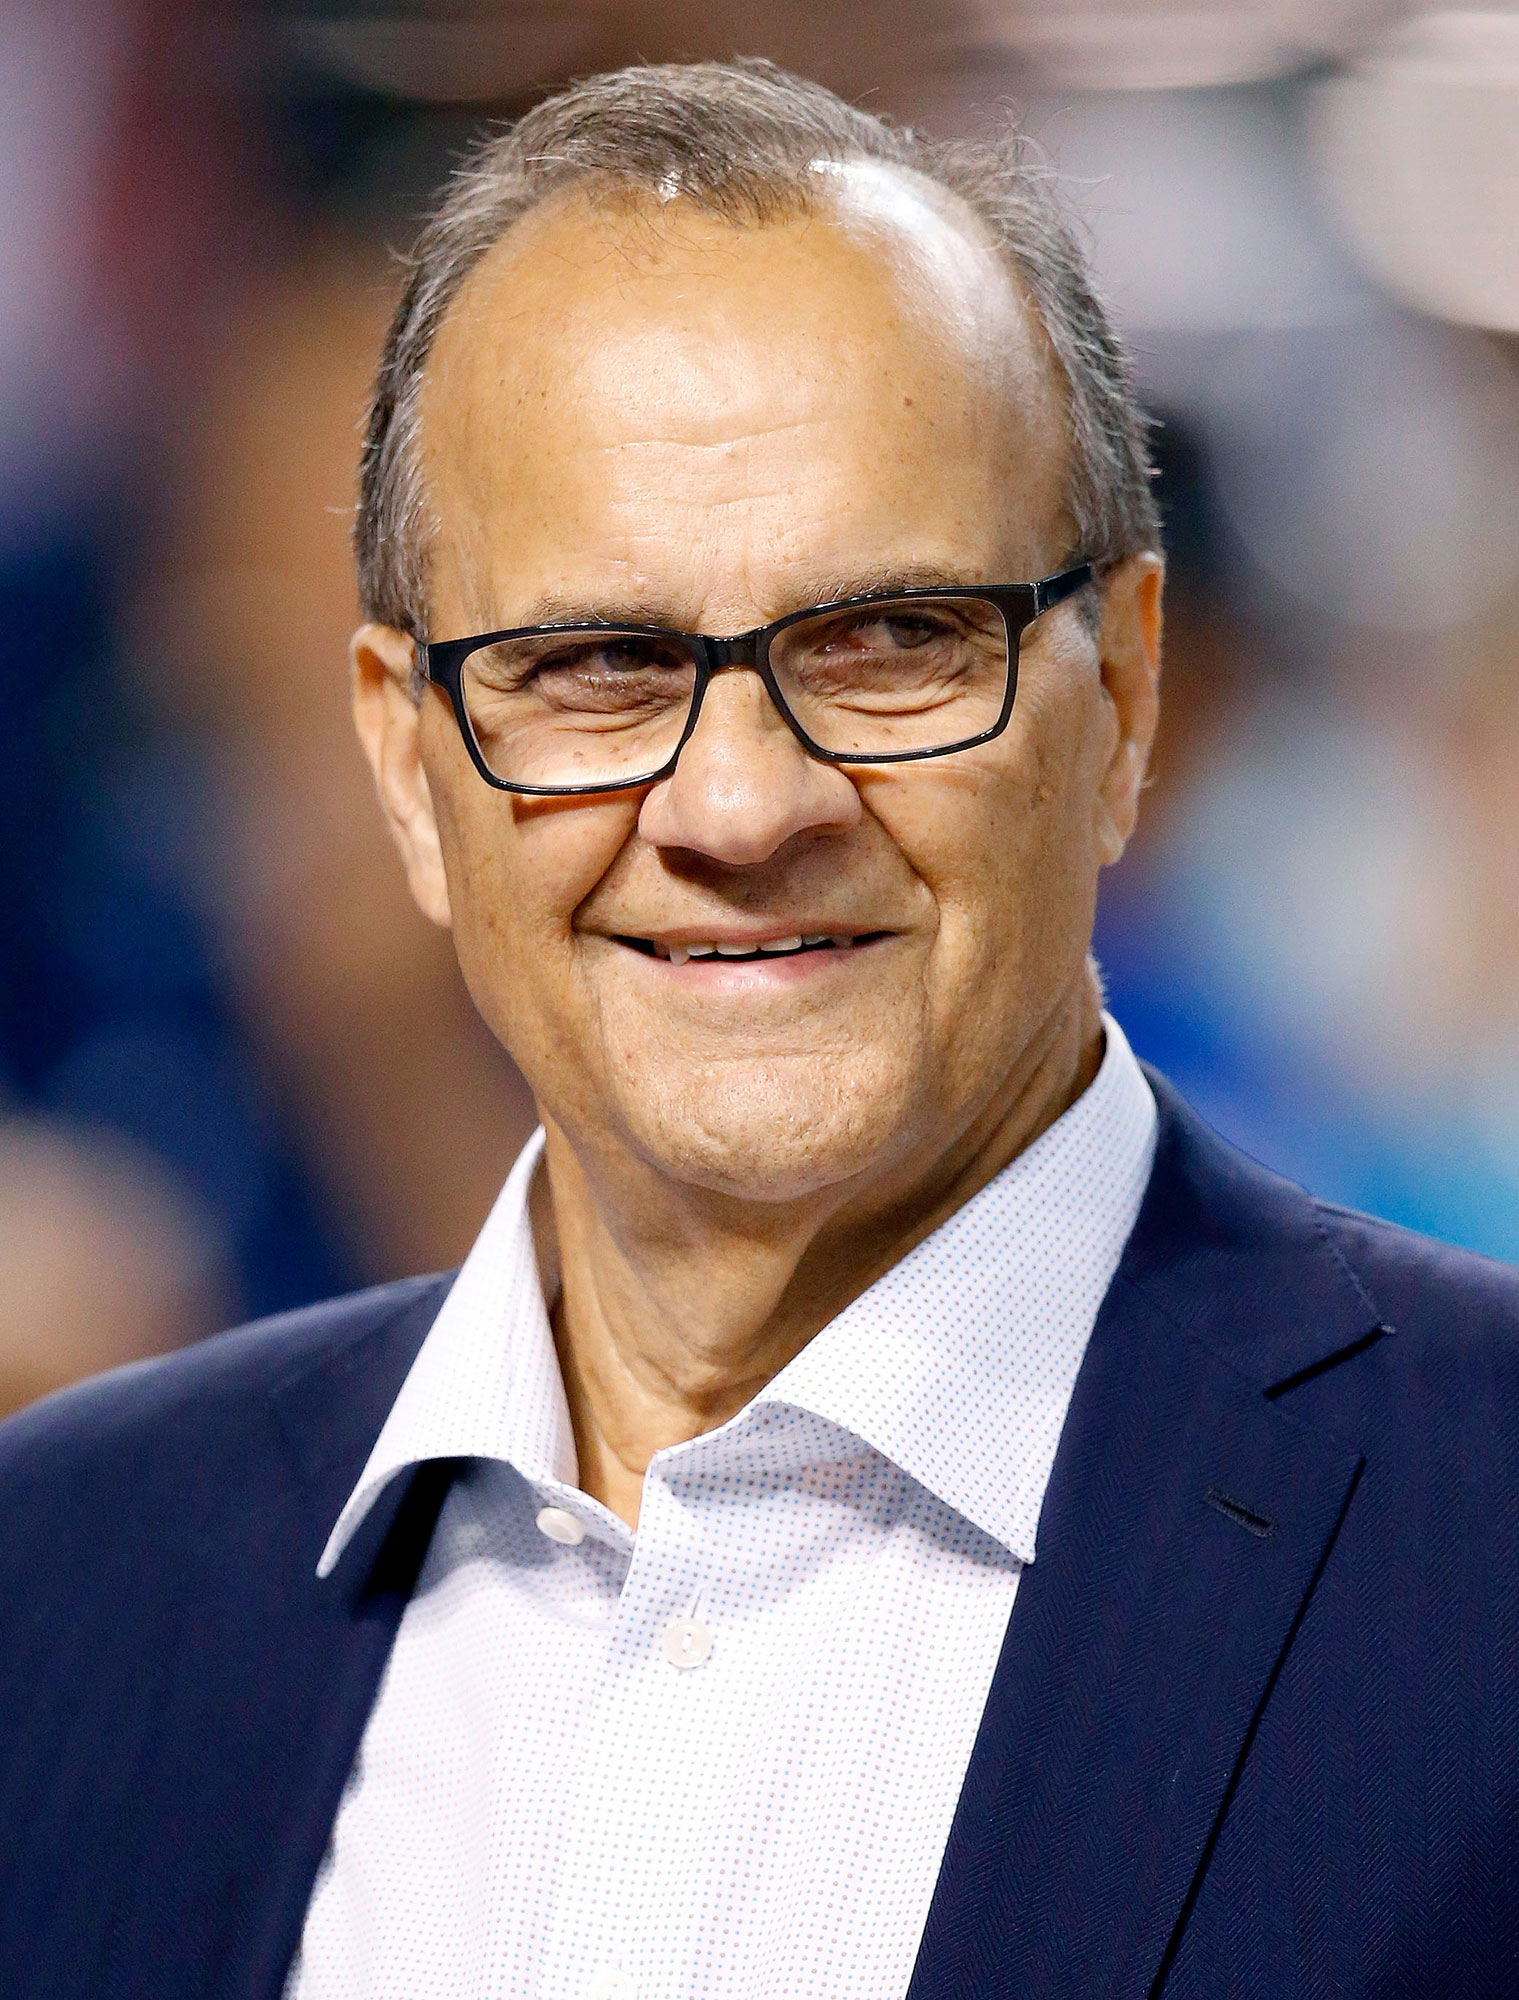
552, 710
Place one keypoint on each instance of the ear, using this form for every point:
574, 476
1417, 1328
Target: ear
388, 717
1129, 645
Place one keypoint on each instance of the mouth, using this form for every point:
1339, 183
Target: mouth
680, 951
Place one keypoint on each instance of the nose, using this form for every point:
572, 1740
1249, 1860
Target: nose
744, 785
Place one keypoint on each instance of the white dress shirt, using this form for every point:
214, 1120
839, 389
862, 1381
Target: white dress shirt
718, 1759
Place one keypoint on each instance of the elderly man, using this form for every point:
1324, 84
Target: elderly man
891, 1505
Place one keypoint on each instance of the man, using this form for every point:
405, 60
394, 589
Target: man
891, 1504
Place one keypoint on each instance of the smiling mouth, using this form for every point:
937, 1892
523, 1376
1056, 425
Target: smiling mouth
787, 947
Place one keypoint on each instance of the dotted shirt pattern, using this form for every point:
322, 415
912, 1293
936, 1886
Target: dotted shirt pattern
552, 1799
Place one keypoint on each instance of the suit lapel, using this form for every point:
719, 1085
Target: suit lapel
351, 1647
271, 1679
1186, 1522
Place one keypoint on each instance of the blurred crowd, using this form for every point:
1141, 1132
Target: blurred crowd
238, 1071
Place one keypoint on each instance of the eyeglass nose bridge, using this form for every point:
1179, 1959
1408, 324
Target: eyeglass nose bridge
743, 651
740, 651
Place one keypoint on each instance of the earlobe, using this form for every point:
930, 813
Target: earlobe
389, 723
1130, 653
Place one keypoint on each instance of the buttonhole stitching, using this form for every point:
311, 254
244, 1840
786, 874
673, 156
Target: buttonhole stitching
1246, 1517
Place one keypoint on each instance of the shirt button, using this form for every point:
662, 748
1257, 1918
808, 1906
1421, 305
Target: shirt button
685, 1642
610, 1984
560, 1526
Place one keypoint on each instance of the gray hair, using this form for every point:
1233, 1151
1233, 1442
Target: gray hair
742, 140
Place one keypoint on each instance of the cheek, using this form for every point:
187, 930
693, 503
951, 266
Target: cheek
518, 870
1002, 840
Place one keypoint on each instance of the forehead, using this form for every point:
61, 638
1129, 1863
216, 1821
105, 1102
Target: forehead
864, 365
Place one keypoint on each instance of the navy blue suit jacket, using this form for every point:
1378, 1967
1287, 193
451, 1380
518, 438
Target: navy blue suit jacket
1255, 1729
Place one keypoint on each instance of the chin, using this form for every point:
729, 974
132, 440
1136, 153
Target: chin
777, 1130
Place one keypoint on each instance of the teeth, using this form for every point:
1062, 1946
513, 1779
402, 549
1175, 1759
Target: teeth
843, 942
678, 954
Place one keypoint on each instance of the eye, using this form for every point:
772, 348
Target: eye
564, 660
889, 631
613, 657
907, 631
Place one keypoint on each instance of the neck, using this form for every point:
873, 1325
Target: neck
675, 1310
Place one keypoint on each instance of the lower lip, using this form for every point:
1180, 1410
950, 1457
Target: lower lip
718, 974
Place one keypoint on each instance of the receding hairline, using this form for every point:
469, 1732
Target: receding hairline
742, 140
632, 216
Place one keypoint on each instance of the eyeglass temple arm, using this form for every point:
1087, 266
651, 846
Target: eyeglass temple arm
1053, 590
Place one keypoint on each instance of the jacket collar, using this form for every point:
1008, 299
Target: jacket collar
1239, 1258
1188, 1519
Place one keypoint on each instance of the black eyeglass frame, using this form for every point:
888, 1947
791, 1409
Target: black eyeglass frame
441, 661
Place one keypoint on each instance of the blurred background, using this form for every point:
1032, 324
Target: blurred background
238, 1071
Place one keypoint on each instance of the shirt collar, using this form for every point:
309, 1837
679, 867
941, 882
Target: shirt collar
486, 1381
957, 1364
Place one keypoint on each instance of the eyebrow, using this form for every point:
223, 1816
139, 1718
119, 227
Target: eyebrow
556, 608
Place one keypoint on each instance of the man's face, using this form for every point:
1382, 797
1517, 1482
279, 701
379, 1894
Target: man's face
644, 414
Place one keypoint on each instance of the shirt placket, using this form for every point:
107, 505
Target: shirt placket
625, 1912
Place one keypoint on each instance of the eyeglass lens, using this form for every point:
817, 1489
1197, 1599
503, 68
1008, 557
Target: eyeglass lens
585, 708
578, 708
886, 678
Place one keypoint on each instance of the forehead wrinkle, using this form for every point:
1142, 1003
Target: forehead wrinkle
739, 440
734, 439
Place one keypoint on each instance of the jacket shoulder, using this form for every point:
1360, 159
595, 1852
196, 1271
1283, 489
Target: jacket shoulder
1419, 1284
178, 1406
1286, 1287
